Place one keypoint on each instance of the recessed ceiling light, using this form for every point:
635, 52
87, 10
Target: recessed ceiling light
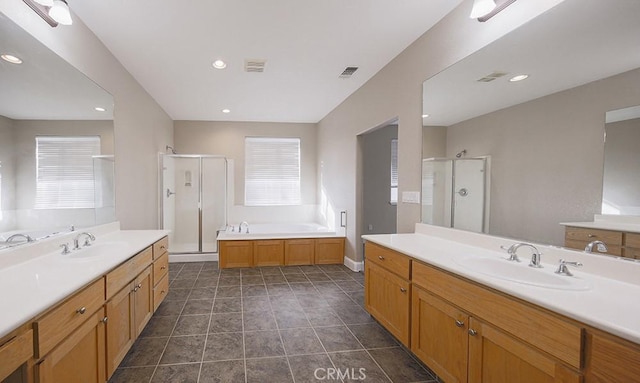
11, 59
100, 109
226, 111
519, 77
219, 64
425, 115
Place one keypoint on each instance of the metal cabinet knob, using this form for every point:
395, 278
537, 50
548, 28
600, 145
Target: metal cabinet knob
459, 323
472, 332
104, 320
591, 236
402, 289
163, 267
81, 310
380, 257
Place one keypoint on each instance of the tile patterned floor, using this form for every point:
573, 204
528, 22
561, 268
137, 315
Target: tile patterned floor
266, 325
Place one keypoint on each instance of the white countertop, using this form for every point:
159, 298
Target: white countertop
609, 304
629, 224
47, 277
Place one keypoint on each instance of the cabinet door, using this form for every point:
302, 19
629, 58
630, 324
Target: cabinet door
610, 359
268, 253
499, 358
236, 254
387, 299
121, 332
299, 251
143, 300
329, 251
439, 336
80, 357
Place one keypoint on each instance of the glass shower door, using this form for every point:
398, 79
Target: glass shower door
436, 191
181, 185
468, 194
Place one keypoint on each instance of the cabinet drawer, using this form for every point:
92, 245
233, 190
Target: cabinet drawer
395, 262
632, 240
160, 268
160, 291
160, 247
127, 271
62, 320
15, 353
580, 245
610, 238
557, 336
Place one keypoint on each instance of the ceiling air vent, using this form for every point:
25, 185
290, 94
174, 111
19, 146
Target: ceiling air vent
254, 65
348, 71
491, 77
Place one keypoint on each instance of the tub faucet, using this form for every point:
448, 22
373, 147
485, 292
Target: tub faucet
535, 256
76, 240
600, 246
19, 235
240, 227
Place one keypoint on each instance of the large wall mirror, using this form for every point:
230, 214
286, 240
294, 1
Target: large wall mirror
56, 142
544, 135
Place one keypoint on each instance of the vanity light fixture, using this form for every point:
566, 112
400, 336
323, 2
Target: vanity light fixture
219, 64
425, 115
59, 11
100, 109
226, 111
481, 8
46, 3
519, 77
11, 59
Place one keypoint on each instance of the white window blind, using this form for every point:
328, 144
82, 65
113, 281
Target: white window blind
64, 171
394, 171
272, 171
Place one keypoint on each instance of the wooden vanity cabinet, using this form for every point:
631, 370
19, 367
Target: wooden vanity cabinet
236, 254
329, 251
610, 359
16, 353
299, 251
388, 290
579, 237
281, 252
268, 253
80, 357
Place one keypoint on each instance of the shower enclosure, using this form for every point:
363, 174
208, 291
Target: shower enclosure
453, 193
193, 201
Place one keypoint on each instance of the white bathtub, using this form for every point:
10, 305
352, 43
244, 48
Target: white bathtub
277, 231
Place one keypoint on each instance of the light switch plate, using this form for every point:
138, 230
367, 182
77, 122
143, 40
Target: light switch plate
411, 197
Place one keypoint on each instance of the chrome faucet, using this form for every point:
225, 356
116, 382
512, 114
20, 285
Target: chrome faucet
513, 256
600, 246
76, 240
564, 270
19, 235
240, 227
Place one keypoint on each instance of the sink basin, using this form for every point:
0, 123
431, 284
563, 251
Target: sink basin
520, 272
99, 249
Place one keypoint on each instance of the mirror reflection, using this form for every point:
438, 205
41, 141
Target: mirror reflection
56, 143
543, 135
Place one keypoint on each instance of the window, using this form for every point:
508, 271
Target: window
272, 171
64, 171
394, 171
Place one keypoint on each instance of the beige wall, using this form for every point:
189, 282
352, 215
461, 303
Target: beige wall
142, 128
227, 139
396, 91
621, 185
434, 141
546, 156
7, 174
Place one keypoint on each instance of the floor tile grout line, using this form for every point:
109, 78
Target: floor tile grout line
206, 337
284, 349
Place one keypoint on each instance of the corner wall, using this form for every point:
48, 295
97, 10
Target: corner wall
396, 91
141, 127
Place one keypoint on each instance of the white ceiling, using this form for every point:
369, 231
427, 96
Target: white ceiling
168, 46
574, 43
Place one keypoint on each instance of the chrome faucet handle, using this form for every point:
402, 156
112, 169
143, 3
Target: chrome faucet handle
535, 260
87, 242
564, 270
511, 250
65, 248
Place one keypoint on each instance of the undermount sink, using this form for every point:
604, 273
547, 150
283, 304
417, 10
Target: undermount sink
96, 250
520, 272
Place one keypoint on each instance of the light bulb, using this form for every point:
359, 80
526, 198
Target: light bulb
60, 12
481, 8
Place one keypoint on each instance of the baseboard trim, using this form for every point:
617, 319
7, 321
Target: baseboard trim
353, 265
175, 258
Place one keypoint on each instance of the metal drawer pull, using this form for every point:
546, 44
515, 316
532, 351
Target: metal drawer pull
591, 236
163, 267
402, 289
138, 287
380, 257
104, 320
472, 332
459, 323
81, 310
162, 247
